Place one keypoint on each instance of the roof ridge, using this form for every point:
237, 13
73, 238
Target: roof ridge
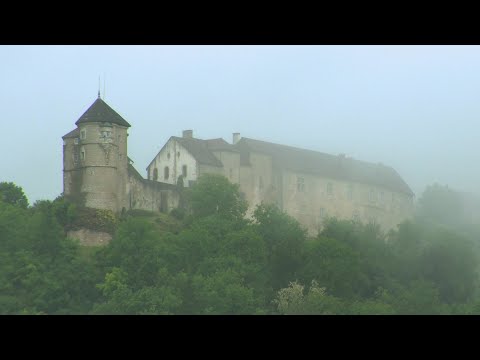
312, 161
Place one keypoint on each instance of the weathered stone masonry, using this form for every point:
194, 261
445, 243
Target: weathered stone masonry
308, 185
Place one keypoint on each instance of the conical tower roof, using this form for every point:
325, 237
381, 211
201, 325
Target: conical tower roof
100, 111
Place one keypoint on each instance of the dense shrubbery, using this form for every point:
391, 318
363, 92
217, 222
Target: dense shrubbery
220, 263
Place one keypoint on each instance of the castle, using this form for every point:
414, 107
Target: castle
308, 185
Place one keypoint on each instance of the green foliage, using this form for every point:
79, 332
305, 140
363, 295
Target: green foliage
93, 219
13, 194
420, 297
40, 269
371, 256
284, 238
178, 213
218, 262
214, 194
293, 301
334, 264
449, 261
141, 213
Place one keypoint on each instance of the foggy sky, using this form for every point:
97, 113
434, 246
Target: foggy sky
415, 108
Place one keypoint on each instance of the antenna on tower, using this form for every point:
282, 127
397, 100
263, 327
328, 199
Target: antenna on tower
104, 92
99, 86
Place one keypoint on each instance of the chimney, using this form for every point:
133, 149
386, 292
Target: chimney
187, 134
236, 138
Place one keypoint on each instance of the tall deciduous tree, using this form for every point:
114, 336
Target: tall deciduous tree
284, 238
215, 194
13, 194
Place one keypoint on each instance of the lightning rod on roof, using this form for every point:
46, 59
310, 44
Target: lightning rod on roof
104, 92
99, 86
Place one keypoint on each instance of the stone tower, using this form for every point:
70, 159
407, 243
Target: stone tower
95, 159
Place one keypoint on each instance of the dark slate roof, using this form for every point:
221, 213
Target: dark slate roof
99, 111
220, 145
313, 162
72, 134
199, 150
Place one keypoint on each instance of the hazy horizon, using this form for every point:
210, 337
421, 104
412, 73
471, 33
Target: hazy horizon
413, 108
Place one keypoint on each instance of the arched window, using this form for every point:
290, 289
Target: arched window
184, 171
155, 174
166, 173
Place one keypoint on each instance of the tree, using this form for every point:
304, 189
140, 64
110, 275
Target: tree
293, 301
334, 264
419, 297
374, 257
440, 204
284, 238
449, 261
13, 194
214, 194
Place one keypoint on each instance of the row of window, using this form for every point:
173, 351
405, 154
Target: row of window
166, 172
103, 134
372, 196
168, 154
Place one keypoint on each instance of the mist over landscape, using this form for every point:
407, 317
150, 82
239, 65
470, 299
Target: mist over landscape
413, 108
239, 180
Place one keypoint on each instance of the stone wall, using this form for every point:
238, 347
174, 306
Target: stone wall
150, 195
311, 199
231, 165
89, 237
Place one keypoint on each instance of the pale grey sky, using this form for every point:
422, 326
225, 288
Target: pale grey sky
415, 108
